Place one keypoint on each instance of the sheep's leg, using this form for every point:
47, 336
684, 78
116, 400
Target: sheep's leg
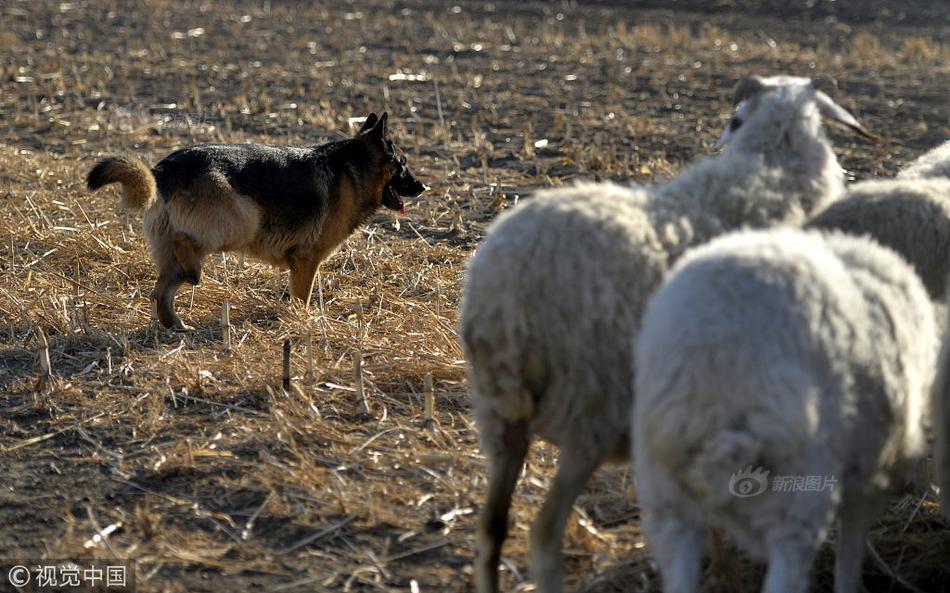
799, 526
942, 426
504, 467
853, 527
790, 558
574, 471
678, 548
789, 568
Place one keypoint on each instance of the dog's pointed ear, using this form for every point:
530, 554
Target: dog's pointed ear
381, 128
371, 120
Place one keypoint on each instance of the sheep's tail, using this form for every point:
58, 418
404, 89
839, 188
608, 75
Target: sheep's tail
501, 393
496, 378
722, 455
941, 402
138, 182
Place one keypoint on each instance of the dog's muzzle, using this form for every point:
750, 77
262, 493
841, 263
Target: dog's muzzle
392, 200
403, 186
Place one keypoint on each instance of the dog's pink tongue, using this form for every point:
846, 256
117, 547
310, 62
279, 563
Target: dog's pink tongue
403, 210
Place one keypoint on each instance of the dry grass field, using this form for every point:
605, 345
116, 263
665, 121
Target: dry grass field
191, 458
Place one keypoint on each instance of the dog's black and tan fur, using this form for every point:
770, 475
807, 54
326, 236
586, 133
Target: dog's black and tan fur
288, 206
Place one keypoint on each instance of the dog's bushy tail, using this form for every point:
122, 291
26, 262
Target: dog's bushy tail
138, 183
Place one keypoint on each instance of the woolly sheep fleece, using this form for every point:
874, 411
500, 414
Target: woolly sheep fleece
800, 353
911, 216
935, 163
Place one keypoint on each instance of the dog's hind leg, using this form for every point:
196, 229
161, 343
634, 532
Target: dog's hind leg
170, 272
170, 277
303, 269
188, 253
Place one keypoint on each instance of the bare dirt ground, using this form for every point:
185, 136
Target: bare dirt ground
191, 459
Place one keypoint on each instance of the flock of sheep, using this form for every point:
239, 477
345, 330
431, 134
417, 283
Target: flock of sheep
670, 325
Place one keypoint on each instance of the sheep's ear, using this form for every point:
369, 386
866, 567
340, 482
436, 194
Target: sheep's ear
742, 113
831, 110
746, 88
371, 120
825, 84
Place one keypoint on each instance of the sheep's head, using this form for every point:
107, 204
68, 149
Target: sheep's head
788, 97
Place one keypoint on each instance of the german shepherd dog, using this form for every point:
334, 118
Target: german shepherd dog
289, 206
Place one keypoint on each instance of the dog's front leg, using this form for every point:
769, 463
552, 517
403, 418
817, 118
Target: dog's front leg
303, 269
189, 254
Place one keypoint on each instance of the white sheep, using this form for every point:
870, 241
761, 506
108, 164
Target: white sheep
556, 290
909, 215
935, 163
781, 379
